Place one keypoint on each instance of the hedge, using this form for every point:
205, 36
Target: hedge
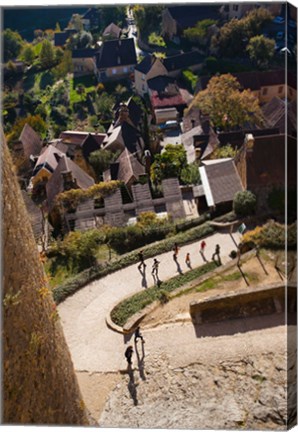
73, 284
128, 307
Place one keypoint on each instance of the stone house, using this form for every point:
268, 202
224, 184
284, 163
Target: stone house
112, 31
265, 85
84, 61
175, 19
116, 59
29, 142
46, 164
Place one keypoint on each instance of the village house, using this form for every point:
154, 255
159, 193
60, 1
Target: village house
46, 164
175, 19
116, 59
60, 38
265, 85
84, 61
90, 19
112, 31
29, 143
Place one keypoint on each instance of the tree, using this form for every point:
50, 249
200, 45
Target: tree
76, 22
169, 163
244, 203
59, 53
109, 14
100, 161
47, 56
147, 17
65, 66
190, 174
81, 90
261, 50
226, 151
226, 105
35, 121
199, 33
104, 104
12, 44
28, 54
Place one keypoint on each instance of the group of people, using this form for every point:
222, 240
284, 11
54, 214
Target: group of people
156, 263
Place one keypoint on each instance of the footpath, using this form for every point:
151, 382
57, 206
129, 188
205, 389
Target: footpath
96, 348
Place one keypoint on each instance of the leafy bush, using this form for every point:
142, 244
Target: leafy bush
272, 235
155, 39
128, 307
276, 200
190, 78
244, 203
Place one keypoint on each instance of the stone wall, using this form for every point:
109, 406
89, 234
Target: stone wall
39, 383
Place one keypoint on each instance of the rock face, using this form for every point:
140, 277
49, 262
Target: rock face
248, 393
39, 384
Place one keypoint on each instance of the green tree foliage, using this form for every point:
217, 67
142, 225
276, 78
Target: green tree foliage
199, 33
190, 174
261, 50
104, 104
226, 105
35, 121
47, 55
244, 203
76, 22
226, 151
100, 161
235, 34
28, 54
115, 14
12, 44
65, 66
156, 39
147, 18
169, 163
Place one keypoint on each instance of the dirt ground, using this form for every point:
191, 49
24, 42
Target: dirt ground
178, 308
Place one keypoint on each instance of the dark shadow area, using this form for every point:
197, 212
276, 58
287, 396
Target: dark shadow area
144, 280
132, 387
156, 279
47, 79
203, 256
189, 265
243, 275
179, 270
239, 325
127, 337
140, 359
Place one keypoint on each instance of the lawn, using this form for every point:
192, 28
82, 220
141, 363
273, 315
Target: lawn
89, 82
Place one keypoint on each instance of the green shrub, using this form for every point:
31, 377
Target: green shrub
244, 203
128, 307
190, 78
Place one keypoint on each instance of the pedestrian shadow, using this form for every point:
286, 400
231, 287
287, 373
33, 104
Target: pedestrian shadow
179, 269
132, 386
189, 265
156, 280
203, 256
140, 359
217, 260
144, 280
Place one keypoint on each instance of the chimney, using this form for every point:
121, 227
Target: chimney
123, 113
147, 156
249, 142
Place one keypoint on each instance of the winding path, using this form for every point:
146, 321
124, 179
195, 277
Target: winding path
96, 348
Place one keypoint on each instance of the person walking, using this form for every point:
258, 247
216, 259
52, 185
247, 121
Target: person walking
128, 354
203, 245
155, 267
142, 262
187, 260
138, 335
216, 253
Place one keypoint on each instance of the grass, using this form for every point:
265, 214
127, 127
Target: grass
127, 308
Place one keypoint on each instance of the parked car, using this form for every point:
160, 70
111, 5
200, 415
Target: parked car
171, 124
279, 20
280, 35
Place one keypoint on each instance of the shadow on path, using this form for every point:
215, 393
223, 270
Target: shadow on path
132, 386
140, 359
144, 280
203, 256
239, 325
179, 269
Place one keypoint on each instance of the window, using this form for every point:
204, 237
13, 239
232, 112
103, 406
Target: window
125, 69
265, 91
143, 77
235, 8
114, 71
280, 89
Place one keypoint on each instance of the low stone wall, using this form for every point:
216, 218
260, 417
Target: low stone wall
249, 302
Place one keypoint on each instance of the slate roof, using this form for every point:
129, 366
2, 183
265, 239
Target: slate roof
30, 140
78, 137
60, 38
266, 163
164, 92
183, 61
188, 16
127, 135
145, 65
135, 111
221, 181
48, 159
89, 145
163, 84
112, 30
120, 52
236, 138
126, 167
85, 53
55, 184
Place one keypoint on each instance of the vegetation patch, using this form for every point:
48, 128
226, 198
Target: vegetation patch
127, 308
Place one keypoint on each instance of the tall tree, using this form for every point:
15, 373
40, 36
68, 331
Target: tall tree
226, 105
47, 55
169, 163
28, 54
12, 44
261, 50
